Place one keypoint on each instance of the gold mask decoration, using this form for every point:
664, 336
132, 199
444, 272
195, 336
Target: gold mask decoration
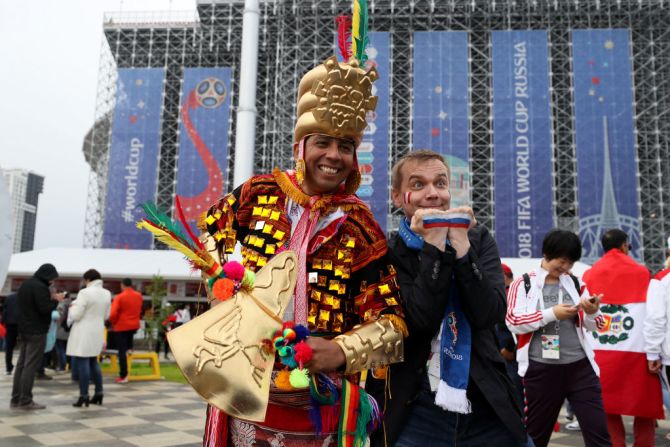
220, 352
333, 99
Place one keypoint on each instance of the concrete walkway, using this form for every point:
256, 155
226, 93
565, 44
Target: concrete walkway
143, 414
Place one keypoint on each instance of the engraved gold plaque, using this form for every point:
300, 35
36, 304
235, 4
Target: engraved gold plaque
219, 352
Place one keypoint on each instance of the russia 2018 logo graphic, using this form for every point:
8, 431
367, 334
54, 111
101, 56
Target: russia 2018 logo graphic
210, 93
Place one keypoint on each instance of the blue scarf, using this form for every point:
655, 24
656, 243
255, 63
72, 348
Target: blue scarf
455, 342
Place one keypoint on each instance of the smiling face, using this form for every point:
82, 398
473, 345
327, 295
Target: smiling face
328, 163
557, 266
424, 184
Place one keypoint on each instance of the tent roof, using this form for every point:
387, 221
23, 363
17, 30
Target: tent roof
111, 263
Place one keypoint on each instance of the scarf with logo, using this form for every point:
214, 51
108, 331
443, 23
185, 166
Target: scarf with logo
455, 342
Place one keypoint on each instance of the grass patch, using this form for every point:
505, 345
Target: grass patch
170, 371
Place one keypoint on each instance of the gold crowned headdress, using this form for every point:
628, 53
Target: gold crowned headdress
334, 98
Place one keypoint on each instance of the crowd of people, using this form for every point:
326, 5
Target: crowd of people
69, 332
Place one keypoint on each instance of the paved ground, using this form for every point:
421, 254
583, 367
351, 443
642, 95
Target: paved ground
146, 414
143, 414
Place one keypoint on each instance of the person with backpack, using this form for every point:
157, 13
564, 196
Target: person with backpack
552, 315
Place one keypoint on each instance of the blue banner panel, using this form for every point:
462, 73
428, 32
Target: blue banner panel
604, 127
133, 160
373, 152
522, 142
203, 139
440, 107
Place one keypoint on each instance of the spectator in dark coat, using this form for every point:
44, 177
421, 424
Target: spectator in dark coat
440, 269
10, 320
35, 304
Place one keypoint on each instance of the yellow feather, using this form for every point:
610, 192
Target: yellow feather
355, 25
168, 240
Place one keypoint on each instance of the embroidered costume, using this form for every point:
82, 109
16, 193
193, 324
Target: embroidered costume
349, 282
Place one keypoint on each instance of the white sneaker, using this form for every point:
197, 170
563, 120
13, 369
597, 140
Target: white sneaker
573, 426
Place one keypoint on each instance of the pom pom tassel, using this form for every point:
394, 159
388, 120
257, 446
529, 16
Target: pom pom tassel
299, 378
282, 380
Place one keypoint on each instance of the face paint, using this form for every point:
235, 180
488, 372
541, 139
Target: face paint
407, 196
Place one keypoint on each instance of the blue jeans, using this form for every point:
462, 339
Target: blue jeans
60, 351
87, 368
429, 425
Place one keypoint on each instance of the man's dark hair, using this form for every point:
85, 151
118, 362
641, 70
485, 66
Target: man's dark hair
562, 244
613, 238
127, 282
92, 275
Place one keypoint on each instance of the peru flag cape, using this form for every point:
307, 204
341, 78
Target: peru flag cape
628, 388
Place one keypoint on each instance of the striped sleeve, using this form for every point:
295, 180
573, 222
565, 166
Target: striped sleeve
520, 319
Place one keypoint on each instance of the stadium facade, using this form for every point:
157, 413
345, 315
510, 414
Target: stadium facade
610, 157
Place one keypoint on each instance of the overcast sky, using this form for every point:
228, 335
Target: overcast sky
49, 57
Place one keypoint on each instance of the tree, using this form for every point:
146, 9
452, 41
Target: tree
159, 311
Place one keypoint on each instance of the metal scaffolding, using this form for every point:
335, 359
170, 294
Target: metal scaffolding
297, 34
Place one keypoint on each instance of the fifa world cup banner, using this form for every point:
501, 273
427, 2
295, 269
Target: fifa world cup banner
604, 134
522, 142
134, 152
373, 152
440, 110
203, 139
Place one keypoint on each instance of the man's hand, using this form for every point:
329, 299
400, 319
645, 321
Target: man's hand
436, 236
458, 237
565, 311
591, 305
654, 366
326, 355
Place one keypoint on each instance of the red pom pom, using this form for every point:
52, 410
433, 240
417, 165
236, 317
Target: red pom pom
234, 270
303, 353
288, 325
223, 289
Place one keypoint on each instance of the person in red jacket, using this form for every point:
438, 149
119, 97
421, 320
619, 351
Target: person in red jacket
125, 319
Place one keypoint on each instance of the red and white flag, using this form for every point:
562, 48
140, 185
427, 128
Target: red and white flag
628, 387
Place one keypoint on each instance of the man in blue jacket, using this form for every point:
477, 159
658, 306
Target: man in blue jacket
35, 304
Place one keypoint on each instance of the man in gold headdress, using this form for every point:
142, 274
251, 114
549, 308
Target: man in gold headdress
346, 292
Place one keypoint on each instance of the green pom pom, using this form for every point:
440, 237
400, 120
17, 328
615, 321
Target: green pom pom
299, 378
249, 279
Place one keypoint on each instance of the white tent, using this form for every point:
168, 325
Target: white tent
111, 263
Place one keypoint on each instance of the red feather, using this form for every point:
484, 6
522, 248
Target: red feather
344, 36
180, 213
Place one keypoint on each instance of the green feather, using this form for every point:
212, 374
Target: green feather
362, 40
160, 219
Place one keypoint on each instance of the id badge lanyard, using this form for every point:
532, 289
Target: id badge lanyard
551, 343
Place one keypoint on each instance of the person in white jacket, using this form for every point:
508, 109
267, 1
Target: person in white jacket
656, 323
551, 317
88, 313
